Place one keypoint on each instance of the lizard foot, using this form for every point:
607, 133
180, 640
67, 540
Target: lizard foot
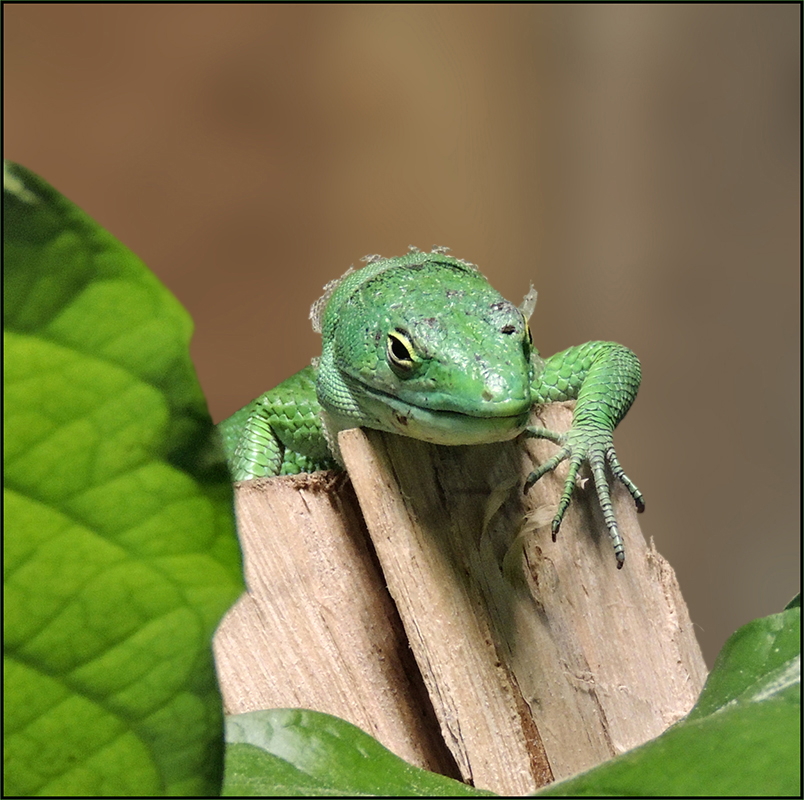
595, 447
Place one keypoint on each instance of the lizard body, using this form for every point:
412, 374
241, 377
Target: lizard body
423, 346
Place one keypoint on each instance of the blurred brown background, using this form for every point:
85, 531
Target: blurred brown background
640, 164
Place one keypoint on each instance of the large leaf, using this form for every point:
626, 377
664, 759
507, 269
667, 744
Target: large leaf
120, 555
743, 737
290, 752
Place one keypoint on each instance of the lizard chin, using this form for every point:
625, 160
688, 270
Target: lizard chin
452, 428
443, 427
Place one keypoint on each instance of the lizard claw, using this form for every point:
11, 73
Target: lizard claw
595, 448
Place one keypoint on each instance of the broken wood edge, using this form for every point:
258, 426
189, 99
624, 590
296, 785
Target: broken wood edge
317, 628
596, 685
531, 563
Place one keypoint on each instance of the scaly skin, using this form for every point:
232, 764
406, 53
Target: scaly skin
421, 345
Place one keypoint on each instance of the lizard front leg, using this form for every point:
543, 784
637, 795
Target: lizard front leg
279, 433
604, 378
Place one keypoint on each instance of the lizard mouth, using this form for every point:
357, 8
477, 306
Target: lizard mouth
444, 426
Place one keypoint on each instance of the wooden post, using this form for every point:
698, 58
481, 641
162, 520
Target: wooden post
317, 628
541, 659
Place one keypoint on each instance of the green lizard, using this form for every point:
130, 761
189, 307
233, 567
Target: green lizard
421, 345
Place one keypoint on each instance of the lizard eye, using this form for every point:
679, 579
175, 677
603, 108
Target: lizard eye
399, 351
527, 344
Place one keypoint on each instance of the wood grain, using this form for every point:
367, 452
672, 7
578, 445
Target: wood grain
542, 658
317, 628
536, 659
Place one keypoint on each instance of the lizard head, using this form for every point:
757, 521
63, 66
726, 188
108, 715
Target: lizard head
422, 345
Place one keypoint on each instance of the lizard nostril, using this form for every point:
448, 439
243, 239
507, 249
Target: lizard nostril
487, 395
508, 329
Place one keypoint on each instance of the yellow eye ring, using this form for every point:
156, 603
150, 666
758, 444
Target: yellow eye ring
399, 351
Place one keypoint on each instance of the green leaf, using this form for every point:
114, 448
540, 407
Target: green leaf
742, 738
119, 554
292, 752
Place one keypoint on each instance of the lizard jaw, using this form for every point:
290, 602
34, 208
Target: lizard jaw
452, 428
439, 427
